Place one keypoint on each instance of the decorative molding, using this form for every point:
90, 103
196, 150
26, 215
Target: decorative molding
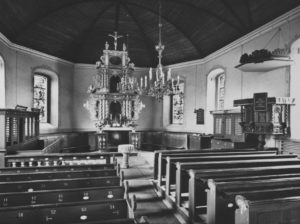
30, 51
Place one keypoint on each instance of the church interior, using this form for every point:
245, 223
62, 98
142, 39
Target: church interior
149, 112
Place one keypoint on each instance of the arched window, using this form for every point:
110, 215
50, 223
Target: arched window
177, 103
294, 89
220, 90
46, 96
41, 96
2, 83
215, 96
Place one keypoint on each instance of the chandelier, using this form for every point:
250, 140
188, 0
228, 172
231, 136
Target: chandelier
159, 85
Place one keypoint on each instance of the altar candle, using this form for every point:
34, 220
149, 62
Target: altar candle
156, 74
169, 74
177, 80
150, 74
145, 81
141, 82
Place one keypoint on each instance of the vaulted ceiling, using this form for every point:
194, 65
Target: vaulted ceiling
76, 30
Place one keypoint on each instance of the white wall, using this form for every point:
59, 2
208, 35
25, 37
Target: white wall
2, 83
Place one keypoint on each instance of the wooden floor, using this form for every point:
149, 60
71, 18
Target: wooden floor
149, 203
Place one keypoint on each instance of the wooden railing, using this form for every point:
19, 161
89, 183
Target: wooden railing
55, 147
16, 128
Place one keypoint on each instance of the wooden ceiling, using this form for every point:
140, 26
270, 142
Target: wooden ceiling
76, 30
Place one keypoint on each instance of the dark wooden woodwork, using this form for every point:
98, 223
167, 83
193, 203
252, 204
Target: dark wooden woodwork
182, 176
199, 177
57, 175
74, 212
171, 166
55, 168
217, 211
61, 196
35, 185
162, 161
159, 162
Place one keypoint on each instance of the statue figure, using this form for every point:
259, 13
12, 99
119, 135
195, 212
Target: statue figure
116, 37
106, 45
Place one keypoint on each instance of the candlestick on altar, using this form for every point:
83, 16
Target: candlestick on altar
145, 81
141, 82
178, 80
150, 74
169, 74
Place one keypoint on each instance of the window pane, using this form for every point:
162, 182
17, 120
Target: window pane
177, 106
220, 94
40, 96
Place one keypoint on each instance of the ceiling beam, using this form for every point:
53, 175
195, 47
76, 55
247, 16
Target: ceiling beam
78, 42
234, 14
206, 11
187, 36
149, 44
117, 15
42, 15
249, 15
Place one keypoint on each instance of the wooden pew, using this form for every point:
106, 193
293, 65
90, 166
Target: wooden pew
57, 175
220, 165
13, 199
217, 208
198, 181
253, 194
67, 213
172, 161
36, 185
55, 168
160, 157
170, 166
275, 206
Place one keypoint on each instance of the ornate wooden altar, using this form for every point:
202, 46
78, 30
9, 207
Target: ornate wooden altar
114, 95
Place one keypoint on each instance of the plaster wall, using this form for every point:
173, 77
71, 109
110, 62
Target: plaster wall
19, 67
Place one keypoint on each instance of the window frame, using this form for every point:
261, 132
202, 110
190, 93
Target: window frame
48, 92
181, 122
218, 91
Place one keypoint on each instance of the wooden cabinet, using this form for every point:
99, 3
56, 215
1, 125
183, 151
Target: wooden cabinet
199, 141
227, 126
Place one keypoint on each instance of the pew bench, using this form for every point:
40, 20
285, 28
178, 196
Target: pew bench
170, 162
217, 207
14, 199
57, 175
182, 180
37, 185
159, 163
268, 209
8, 170
67, 213
191, 162
198, 181
253, 194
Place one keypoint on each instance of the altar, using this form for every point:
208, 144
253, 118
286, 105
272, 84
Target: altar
110, 138
113, 101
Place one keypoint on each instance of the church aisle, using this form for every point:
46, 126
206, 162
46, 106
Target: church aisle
149, 204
